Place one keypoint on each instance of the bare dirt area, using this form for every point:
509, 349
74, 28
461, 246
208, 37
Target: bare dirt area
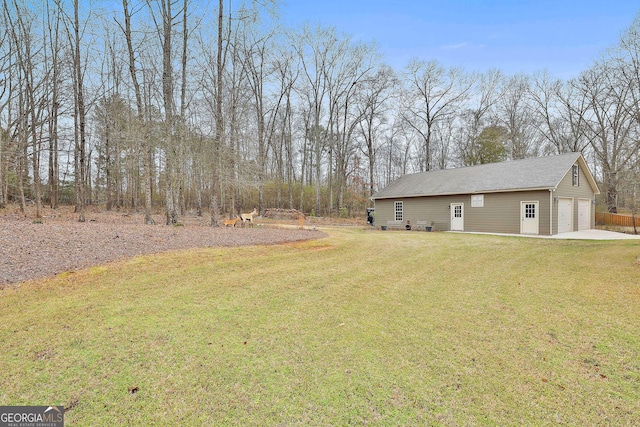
31, 248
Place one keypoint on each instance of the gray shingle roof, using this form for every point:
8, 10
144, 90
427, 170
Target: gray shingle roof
526, 174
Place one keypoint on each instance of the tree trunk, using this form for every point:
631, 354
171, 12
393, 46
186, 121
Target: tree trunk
171, 207
22, 160
54, 112
144, 140
215, 180
3, 198
80, 121
19, 173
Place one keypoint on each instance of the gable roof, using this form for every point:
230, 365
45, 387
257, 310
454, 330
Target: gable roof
537, 173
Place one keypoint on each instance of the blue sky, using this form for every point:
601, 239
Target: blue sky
562, 36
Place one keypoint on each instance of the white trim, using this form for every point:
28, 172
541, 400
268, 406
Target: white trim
451, 216
551, 212
523, 213
395, 210
477, 200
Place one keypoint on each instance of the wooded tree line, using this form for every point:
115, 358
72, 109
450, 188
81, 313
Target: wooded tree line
162, 104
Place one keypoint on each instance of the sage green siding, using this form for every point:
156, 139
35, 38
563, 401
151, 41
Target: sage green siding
566, 189
427, 197
500, 213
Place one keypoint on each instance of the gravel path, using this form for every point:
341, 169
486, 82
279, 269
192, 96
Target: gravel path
31, 250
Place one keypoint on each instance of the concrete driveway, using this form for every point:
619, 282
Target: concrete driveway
595, 235
574, 235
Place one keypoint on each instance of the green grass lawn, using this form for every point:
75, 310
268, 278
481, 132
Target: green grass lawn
361, 328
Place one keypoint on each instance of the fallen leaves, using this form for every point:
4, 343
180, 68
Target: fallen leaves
58, 245
71, 405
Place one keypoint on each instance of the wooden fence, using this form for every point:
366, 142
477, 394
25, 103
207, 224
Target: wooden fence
615, 219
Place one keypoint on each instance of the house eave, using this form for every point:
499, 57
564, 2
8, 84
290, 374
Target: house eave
510, 190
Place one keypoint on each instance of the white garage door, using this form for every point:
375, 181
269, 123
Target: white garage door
584, 214
565, 215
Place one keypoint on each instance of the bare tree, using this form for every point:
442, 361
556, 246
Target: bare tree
352, 65
54, 58
478, 114
627, 61
81, 164
310, 111
14, 143
516, 115
373, 106
5, 70
609, 126
629, 190
433, 93
256, 47
314, 47
286, 75
165, 30
560, 111
219, 125
31, 103
140, 108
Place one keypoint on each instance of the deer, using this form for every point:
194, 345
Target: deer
231, 222
248, 216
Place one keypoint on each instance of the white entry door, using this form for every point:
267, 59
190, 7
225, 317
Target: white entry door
584, 214
565, 215
529, 215
457, 217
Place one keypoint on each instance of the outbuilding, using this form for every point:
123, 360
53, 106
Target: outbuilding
542, 195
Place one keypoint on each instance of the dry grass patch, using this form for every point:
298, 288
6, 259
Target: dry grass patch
363, 327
